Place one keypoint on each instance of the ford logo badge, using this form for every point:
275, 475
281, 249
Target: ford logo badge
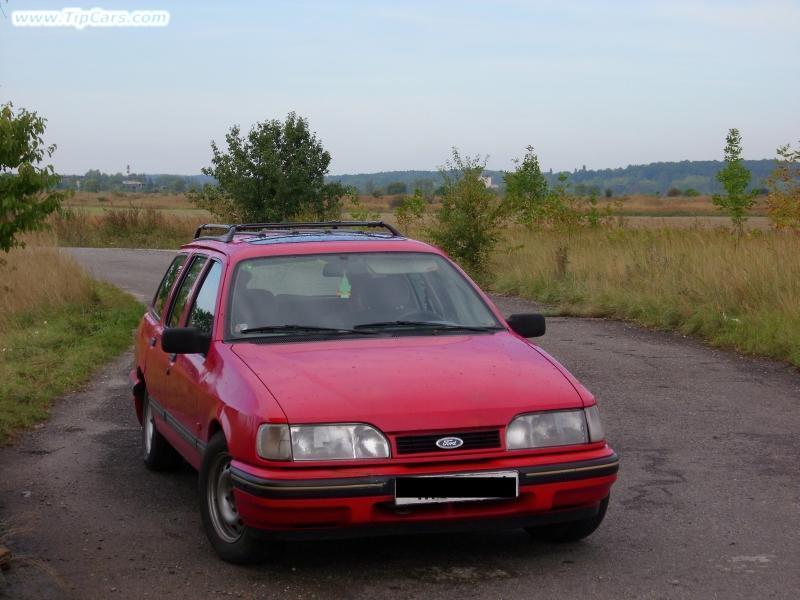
449, 443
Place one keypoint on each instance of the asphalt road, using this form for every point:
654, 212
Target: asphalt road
707, 504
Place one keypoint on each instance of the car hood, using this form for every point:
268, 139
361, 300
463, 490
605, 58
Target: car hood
411, 382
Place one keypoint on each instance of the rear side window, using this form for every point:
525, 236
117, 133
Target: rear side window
204, 308
182, 295
167, 282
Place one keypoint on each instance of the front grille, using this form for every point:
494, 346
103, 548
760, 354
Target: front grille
473, 440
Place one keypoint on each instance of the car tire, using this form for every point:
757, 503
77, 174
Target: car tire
231, 539
157, 453
573, 531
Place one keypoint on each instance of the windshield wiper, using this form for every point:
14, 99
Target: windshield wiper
299, 328
423, 325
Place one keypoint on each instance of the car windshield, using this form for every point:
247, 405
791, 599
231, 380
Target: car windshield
353, 294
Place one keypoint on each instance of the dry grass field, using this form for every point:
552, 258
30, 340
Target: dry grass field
740, 293
676, 206
58, 280
98, 202
177, 213
712, 221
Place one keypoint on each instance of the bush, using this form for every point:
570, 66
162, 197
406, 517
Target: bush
468, 224
411, 210
783, 204
526, 190
673, 191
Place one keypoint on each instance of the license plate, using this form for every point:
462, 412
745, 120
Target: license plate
459, 487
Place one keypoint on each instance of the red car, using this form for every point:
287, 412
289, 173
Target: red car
332, 379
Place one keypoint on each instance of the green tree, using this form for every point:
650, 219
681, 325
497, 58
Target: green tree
274, 173
783, 204
469, 223
735, 178
27, 188
411, 210
396, 187
526, 189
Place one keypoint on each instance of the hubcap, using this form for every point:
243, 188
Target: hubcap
149, 429
221, 503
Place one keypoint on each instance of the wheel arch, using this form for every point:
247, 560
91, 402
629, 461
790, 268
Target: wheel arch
214, 427
139, 391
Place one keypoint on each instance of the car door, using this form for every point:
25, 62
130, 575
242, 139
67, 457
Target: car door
148, 340
188, 373
159, 364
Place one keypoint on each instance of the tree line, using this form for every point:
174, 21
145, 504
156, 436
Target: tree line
684, 178
95, 180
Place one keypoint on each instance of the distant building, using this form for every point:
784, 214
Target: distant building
132, 185
487, 181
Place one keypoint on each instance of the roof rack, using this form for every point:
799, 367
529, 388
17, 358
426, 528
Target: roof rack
232, 230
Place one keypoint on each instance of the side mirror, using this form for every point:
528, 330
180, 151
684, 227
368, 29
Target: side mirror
185, 340
530, 325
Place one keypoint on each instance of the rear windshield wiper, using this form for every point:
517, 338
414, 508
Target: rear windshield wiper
300, 329
423, 325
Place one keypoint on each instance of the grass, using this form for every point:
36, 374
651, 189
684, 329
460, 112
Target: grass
740, 294
667, 206
131, 227
108, 200
56, 327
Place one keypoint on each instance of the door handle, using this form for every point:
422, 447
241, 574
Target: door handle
172, 359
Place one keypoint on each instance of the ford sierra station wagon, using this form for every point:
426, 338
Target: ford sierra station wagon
339, 379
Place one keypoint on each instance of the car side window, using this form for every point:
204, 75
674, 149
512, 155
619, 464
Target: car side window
203, 310
182, 295
173, 271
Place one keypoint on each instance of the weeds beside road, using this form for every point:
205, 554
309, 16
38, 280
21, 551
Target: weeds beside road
131, 227
739, 293
57, 325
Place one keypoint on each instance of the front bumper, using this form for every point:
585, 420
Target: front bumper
364, 505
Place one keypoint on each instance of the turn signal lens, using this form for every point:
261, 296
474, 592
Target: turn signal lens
273, 442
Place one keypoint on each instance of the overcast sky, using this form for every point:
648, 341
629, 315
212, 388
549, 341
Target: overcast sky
393, 85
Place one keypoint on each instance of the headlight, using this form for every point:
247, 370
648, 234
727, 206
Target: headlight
545, 429
320, 442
